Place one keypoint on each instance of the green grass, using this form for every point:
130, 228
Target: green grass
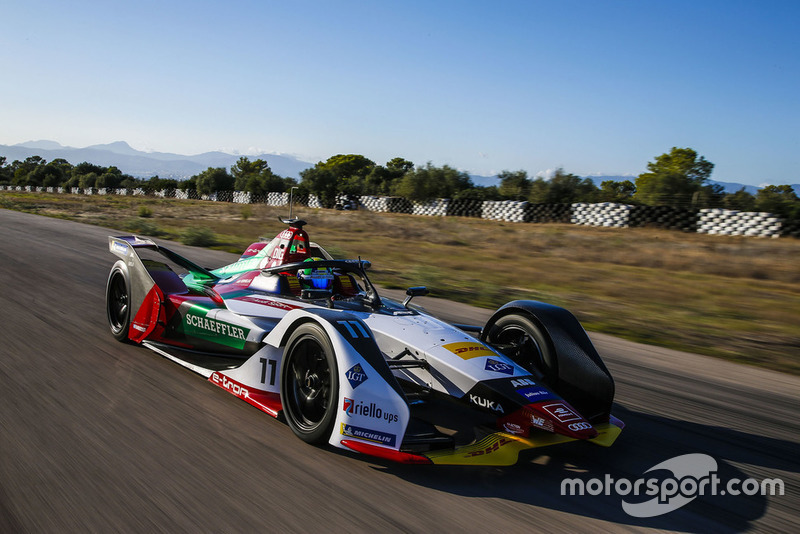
736, 298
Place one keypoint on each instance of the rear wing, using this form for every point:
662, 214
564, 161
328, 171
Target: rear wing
149, 281
125, 246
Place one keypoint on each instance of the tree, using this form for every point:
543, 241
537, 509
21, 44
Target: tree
189, 183
343, 173
322, 182
514, 185
88, 181
614, 191
214, 179
430, 182
780, 200
245, 171
566, 188
54, 173
399, 166
538, 191
159, 184
24, 169
86, 168
740, 200
674, 178
108, 180
381, 179
5, 171
479, 193
345, 165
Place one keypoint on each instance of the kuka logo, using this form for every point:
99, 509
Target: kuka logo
486, 403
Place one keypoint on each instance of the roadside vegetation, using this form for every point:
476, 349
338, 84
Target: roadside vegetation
679, 178
732, 297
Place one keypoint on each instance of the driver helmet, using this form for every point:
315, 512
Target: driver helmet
317, 277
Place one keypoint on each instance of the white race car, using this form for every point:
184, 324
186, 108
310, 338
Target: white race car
307, 338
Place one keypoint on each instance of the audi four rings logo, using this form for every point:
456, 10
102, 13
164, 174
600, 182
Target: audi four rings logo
579, 426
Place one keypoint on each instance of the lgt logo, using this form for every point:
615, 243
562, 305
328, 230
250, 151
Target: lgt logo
356, 376
499, 367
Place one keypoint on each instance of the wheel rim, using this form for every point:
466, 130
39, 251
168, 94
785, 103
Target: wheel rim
521, 345
310, 384
117, 302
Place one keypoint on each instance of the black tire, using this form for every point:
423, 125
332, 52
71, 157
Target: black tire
118, 301
310, 384
523, 340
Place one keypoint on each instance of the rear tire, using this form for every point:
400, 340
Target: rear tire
310, 384
118, 301
524, 341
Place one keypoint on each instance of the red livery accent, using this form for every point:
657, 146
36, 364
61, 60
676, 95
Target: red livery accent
386, 454
562, 412
293, 247
255, 299
253, 250
550, 416
266, 401
243, 282
147, 316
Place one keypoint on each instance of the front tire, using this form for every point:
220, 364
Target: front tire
118, 301
523, 340
310, 384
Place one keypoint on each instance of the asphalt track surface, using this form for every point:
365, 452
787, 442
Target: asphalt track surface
99, 436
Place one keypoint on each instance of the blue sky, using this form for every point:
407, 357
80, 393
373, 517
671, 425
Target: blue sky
592, 87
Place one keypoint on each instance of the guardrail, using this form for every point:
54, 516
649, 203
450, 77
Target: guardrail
608, 214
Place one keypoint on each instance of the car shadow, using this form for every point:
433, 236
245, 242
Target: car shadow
646, 441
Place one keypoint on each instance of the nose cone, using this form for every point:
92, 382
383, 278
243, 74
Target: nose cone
553, 415
564, 419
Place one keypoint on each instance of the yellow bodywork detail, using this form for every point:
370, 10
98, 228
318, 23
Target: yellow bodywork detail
606, 434
469, 349
501, 448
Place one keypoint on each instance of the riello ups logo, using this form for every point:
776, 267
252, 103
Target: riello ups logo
354, 407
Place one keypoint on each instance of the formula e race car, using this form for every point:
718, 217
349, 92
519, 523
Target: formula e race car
307, 338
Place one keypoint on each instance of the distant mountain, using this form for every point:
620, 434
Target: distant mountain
146, 164
484, 181
732, 187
